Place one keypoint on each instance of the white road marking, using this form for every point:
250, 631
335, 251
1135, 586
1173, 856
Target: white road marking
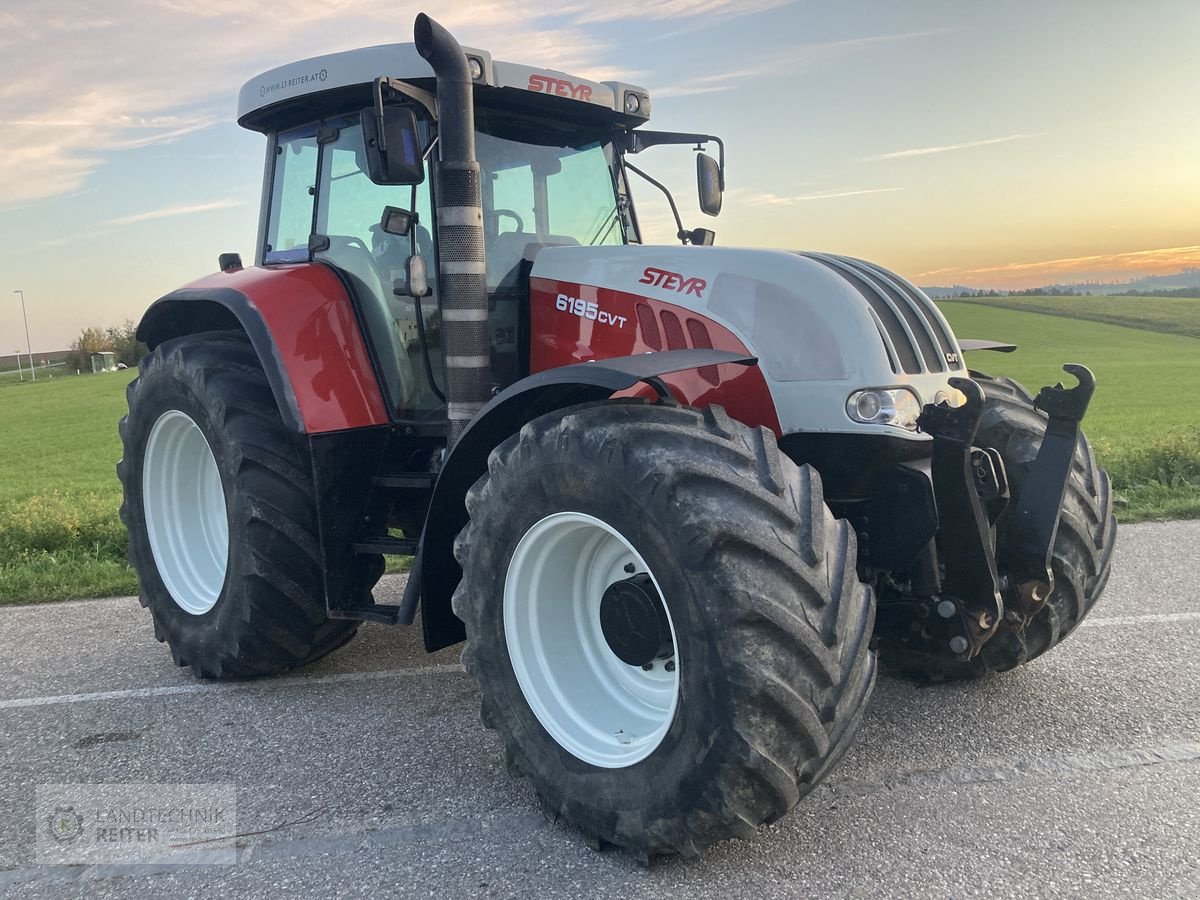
1044, 765
210, 687
386, 674
1110, 621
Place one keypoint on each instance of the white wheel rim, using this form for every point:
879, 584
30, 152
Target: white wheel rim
602, 710
186, 518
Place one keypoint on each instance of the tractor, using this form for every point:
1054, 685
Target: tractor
678, 501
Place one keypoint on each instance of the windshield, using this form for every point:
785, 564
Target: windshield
541, 189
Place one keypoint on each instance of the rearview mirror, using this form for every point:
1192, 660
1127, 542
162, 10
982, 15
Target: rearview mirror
397, 221
708, 183
392, 147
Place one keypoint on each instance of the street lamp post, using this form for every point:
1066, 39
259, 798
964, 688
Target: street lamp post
28, 344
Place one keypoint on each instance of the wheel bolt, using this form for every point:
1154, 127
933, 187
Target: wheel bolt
958, 644
670, 666
630, 568
945, 609
648, 667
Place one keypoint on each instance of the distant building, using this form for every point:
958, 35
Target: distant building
104, 362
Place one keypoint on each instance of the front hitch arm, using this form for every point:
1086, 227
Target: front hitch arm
971, 579
1028, 549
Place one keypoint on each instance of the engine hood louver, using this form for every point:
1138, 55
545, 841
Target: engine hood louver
915, 335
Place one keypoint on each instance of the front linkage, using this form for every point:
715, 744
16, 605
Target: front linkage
977, 588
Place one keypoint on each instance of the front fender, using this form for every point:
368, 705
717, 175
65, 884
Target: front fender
558, 388
302, 325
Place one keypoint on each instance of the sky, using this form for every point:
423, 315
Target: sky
999, 144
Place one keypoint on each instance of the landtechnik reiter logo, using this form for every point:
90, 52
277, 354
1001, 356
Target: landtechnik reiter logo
65, 824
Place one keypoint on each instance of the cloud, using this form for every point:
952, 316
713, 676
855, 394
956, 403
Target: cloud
171, 211
1105, 266
820, 52
619, 10
708, 84
151, 72
53, 151
948, 148
805, 56
768, 199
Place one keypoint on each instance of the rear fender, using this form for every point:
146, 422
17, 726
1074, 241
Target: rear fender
301, 324
504, 416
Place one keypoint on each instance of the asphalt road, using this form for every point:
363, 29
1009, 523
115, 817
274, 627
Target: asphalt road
1078, 774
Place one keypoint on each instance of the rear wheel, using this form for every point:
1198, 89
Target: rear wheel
221, 513
1083, 546
664, 620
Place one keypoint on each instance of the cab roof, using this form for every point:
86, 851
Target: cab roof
311, 88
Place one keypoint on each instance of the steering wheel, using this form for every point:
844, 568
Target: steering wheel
512, 214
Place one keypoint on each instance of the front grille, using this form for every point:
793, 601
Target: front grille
913, 332
701, 341
649, 326
652, 336
673, 330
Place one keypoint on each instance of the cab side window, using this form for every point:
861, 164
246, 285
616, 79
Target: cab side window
293, 187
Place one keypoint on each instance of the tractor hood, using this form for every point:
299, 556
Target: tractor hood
822, 326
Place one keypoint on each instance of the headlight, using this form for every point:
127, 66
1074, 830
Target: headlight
885, 406
632, 102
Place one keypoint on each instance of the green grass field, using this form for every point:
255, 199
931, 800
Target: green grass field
1170, 315
60, 535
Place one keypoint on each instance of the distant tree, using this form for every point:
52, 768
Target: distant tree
90, 340
123, 341
118, 339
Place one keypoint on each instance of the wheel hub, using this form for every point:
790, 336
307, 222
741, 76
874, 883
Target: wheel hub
582, 635
634, 621
186, 519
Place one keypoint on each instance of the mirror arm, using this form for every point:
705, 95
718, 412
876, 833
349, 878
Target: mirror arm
426, 100
380, 131
682, 234
637, 141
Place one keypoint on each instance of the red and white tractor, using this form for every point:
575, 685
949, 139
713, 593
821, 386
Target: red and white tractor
676, 499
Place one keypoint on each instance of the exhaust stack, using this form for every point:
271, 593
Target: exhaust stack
462, 283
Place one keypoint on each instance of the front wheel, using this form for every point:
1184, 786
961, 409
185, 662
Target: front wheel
664, 620
221, 512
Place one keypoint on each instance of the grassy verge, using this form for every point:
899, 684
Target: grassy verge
1169, 315
1141, 421
60, 535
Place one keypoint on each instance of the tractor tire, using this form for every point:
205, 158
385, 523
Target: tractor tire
768, 666
1083, 546
221, 512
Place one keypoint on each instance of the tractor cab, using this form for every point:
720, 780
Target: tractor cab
550, 175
